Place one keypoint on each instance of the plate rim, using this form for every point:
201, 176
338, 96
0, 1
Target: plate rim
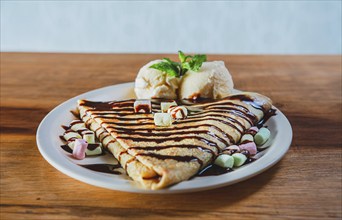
79, 173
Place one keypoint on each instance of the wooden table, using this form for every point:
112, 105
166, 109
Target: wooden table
306, 184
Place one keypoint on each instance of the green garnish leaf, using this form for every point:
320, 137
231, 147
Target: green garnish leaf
181, 56
178, 69
196, 62
167, 68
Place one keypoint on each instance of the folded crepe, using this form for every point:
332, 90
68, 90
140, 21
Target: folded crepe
157, 157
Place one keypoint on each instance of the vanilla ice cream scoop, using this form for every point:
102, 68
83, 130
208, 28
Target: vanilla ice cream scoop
152, 83
213, 80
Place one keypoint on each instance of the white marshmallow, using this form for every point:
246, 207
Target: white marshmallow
166, 105
162, 119
142, 106
178, 112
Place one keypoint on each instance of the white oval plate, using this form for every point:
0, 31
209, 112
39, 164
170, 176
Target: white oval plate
49, 143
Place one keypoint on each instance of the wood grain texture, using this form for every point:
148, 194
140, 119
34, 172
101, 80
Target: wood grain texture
306, 184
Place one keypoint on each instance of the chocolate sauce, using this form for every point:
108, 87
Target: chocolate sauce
66, 148
267, 115
204, 149
62, 138
103, 168
220, 115
66, 127
214, 119
128, 124
145, 118
175, 139
107, 105
168, 157
213, 170
156, 178
208, 110
249, 160
130, 131
90, 147
247, 99
75, 122
168, 134
248, 117
142, 108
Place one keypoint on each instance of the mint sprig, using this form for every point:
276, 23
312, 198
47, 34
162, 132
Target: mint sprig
178, 69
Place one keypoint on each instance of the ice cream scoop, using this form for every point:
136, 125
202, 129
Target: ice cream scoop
213, 80
152, 83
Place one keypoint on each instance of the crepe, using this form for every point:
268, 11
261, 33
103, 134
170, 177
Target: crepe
157, 157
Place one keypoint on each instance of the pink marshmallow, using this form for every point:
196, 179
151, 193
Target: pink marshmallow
80, 148
253, 130
250, 146
256, 129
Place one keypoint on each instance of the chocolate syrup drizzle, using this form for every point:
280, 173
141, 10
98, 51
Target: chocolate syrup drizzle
220, 111
103, 168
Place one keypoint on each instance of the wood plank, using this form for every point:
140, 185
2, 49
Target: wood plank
306, 184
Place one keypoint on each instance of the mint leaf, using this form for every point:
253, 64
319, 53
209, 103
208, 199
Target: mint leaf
167, 68
197, 61
182, 56
176, 69
174, 64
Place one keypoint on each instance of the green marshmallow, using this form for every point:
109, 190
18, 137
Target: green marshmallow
262, 136
225, 161
239, 159
247, 137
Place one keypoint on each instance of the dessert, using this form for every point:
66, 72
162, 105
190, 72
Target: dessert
159, 156
191, 78
153, 83
186, 122
213, 80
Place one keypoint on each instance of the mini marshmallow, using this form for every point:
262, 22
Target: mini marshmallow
231, 150
142, 106
250, 147
88, 152
233, 147
162, 119
253, 130
262, 136
166, 105
69, 134
239, 159
178, 112
247, 137
95, 151
80, 147
77, 125
89, 137
225, 161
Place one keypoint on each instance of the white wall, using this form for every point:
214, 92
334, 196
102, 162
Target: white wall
280, 27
